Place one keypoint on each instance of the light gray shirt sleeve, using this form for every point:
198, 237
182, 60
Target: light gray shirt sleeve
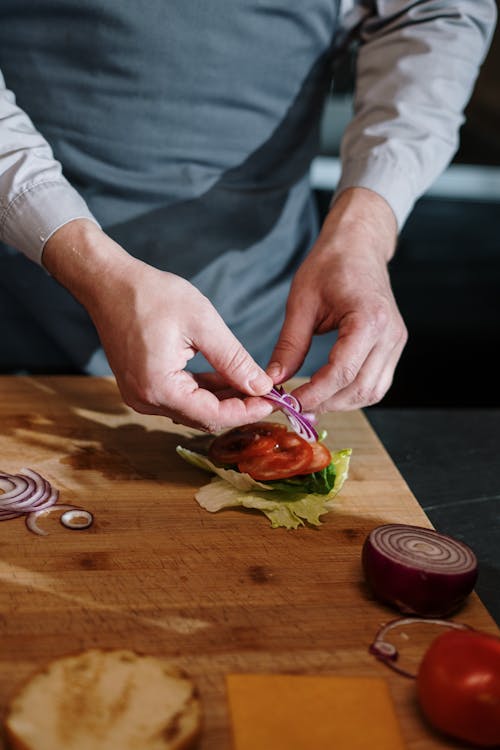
35, 197
416, 67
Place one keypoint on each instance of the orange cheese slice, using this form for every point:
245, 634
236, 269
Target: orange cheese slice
306, 712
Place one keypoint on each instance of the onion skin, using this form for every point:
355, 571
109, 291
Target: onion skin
404, 578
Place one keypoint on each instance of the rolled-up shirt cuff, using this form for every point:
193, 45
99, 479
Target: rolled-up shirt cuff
385, 177
42, 208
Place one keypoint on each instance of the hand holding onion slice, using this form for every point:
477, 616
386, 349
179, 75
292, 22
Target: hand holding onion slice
31, 495
418, 570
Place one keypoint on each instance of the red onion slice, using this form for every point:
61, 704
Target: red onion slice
418, 570
292, 409
387, 653
29, 491
31, 495
32, 518
23, 489
38, 493
6, 484
5, 515
77, 519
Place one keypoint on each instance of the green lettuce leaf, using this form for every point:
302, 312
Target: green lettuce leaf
318, 483
287, 503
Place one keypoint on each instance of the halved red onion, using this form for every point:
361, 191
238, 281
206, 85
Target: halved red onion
28, 494
292, 409
418, 570
388, 653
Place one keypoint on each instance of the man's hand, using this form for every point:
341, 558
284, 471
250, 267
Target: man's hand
151, 323
344, 285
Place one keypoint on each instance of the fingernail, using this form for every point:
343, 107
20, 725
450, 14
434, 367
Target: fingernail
274, 371
260, 383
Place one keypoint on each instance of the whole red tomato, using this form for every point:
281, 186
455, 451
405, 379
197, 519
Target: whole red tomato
458, 686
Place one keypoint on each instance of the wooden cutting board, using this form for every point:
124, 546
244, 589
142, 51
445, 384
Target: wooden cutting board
218, 593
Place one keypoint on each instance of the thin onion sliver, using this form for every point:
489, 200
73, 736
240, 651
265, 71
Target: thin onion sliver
387, 653
32, 518
292, 409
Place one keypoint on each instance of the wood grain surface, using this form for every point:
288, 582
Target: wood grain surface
217, 593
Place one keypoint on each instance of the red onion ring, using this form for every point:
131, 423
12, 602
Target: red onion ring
388, 654
28, 494
418, 570
24, 493
292, 409
76, 519
32, 518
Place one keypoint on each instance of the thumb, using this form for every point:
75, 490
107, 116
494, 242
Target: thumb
230, 359
293, 344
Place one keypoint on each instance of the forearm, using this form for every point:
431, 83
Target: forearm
359, 221
87, 262
151, 323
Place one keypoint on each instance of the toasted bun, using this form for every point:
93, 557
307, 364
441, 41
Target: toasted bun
105, 700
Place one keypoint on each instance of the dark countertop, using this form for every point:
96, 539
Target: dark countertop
450, 458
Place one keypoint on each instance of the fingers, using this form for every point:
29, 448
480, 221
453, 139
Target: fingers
360, 371
216, 384
228, 357
169, 322
184, 401
344, 285
370, 385
293, 342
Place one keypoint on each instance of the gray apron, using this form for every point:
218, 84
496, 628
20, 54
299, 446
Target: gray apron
189, 129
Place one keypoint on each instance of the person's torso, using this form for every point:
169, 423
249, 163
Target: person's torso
188, 127
155, 102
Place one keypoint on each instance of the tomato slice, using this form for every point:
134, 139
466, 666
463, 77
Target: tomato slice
320, 459
291, 456
248, 440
